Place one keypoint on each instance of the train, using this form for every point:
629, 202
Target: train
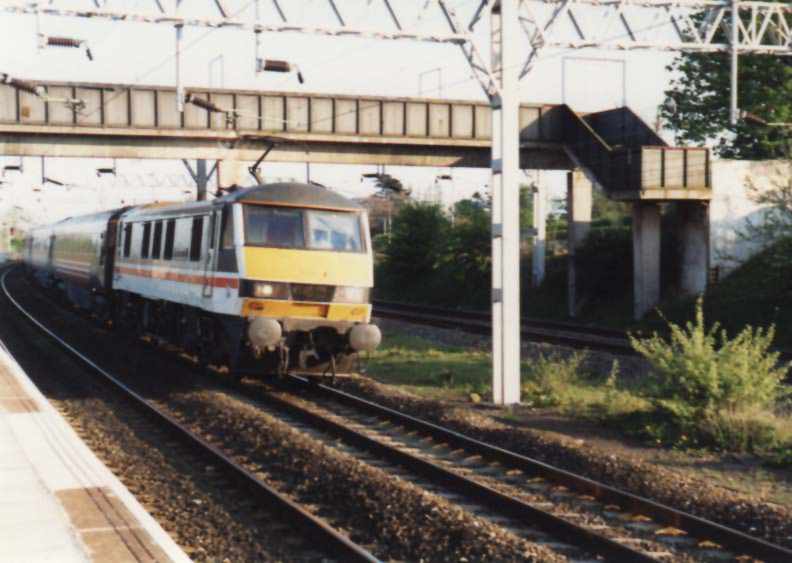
270, 279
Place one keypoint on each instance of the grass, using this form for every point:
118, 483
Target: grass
436, 371
564, 384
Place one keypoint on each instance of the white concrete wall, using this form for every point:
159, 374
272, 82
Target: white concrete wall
732, 205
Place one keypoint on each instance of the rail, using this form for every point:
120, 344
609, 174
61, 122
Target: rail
477, 322
734, 540
335, 542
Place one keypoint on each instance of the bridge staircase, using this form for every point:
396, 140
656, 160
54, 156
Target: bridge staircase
623, 155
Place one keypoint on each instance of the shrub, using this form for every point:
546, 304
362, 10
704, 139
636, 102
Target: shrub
550, 379
705, 370
713, 386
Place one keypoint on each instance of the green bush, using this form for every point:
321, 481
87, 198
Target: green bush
549, 379
720, 390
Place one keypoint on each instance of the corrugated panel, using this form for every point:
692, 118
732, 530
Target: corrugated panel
31, 108
92, 113
674, 166
369, 117
439, 120
483, 122
273, 119
462, 121
651, 168
321, 115
393, 118
59, 113
416, 119
168, 116
116, 107
143, 108
297, 114
346, 116
249, 112
218, 119
697, 162
7, 103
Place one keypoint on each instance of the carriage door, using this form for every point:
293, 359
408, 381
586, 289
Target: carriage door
210, 260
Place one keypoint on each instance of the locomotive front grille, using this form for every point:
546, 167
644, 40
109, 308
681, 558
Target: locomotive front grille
312, 292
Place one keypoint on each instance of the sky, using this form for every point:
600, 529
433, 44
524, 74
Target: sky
132, 53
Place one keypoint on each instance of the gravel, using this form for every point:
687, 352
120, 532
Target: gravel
393, 518
739, 511
181, 491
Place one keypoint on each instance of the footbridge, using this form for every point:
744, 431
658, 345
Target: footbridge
614, 150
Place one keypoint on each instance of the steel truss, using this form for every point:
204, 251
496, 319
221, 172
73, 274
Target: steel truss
226, 19
667, 25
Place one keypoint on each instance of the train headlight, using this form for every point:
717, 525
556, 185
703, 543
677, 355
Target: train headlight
349, 294
264, 290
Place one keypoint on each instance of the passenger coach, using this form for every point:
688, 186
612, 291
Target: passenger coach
265, 279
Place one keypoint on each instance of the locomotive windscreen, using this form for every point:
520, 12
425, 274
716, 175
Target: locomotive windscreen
302, 228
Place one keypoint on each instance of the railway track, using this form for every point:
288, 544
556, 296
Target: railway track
332, 541
625, 527
478, 322
566, 512
553, 332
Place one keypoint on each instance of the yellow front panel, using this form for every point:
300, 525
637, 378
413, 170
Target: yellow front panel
283, 309
308, 266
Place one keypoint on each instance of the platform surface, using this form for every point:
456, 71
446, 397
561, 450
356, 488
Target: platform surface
58, 502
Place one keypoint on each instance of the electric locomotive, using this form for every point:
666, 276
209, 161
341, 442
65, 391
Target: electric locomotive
266, 279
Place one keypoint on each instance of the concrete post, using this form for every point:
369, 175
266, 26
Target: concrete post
695, 246
540, 235
579, 202
646, 257
505, 37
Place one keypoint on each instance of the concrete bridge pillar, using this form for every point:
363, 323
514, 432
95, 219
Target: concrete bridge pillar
695, 246
579, 202
646, 257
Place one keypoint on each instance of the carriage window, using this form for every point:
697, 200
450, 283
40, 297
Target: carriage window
170, 234
127, 239
155, 250
334, 231
269, 226
195, 239
144, 248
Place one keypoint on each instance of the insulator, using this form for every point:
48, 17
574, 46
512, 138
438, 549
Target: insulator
63, 42
271, 65
201, 103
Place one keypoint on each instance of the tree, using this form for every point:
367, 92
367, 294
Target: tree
416, 246
701, 93
468, 255
389, 186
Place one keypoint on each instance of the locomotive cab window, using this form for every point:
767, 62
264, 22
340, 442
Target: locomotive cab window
336, 231
269, 226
